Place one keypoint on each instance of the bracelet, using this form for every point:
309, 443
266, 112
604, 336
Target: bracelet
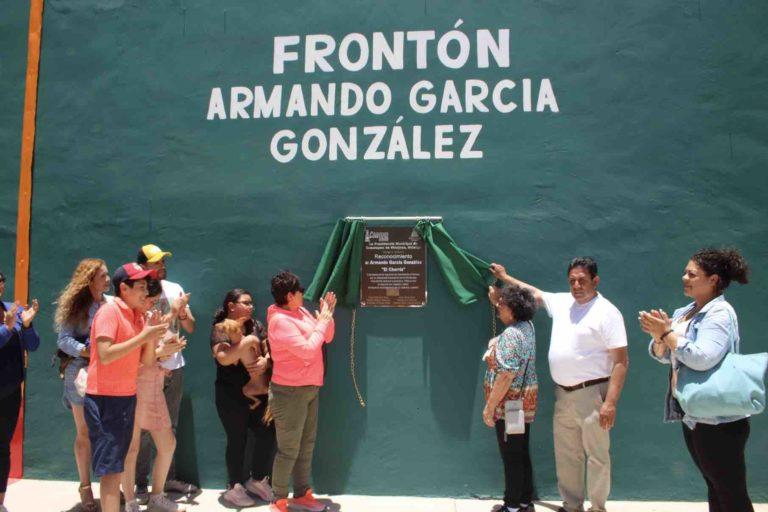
666, 334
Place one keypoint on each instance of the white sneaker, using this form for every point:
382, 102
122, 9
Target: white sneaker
261, 488
238, 497
132, 506
161, 503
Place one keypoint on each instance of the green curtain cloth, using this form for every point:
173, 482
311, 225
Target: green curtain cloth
339, 268
466, 275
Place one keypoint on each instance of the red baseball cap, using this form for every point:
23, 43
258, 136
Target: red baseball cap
131, 272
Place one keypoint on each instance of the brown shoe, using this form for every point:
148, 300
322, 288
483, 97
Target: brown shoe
86, 498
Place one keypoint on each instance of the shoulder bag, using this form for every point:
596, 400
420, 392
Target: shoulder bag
733, 387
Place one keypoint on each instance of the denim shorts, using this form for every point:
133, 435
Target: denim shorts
110, 428
70, 396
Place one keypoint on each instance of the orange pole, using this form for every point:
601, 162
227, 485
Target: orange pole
21, 278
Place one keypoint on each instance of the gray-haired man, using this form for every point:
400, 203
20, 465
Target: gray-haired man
588, 361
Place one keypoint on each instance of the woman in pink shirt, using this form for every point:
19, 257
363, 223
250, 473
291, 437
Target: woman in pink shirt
296, 340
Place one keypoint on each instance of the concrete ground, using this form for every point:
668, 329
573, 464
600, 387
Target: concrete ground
57, 496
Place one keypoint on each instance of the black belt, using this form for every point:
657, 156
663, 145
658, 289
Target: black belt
585, 384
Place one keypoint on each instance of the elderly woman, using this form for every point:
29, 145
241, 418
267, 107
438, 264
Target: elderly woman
296, 341
75, 308
511, 377
16, 336
698, 337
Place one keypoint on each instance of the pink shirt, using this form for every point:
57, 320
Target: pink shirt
296, 340
116, 321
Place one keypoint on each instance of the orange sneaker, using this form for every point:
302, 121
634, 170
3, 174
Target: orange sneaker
279, 506
307, 502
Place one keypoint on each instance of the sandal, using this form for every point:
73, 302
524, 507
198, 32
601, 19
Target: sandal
86, 498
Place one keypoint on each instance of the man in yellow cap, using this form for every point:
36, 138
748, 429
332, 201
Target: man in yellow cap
151, 257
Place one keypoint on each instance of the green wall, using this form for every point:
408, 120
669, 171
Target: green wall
659, 147
13, 65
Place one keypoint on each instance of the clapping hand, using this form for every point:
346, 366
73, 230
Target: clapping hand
29, 314
153, 331
327, 307
179, 304
170, 347
656, 322
9, 317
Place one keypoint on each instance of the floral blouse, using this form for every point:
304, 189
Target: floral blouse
509, 353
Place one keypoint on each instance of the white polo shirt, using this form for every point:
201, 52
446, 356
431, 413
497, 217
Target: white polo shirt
582, 334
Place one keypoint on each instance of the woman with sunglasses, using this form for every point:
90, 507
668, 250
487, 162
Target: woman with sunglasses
233, 406
296, 341
16, 336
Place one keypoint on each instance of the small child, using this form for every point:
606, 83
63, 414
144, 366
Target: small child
258, 384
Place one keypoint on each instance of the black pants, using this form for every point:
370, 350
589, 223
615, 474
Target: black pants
9, 416
518, 471
238, 420
718, 452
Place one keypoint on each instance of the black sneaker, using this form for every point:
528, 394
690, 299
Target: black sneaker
142, 494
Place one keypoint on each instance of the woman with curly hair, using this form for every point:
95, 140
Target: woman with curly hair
696, 338
75, 308
511, 381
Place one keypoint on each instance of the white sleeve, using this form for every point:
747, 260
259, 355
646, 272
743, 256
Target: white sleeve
614, 333
550, 302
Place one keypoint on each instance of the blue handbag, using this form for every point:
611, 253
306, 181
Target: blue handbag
733, 387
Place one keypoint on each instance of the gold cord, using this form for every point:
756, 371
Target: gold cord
352, 358
493, 320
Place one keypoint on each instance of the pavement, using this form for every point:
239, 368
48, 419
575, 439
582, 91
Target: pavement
57, 496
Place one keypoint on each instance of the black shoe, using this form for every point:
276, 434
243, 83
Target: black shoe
142, 494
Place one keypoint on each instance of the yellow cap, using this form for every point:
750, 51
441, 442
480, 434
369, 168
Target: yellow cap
154, 253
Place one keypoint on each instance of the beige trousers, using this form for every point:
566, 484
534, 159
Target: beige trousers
580, 440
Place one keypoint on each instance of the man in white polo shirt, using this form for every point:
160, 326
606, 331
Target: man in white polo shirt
151, 257
588, 361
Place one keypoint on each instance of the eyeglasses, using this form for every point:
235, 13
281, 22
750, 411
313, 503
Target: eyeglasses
245, 302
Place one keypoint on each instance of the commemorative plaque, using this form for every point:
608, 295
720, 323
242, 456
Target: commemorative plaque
394, 268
